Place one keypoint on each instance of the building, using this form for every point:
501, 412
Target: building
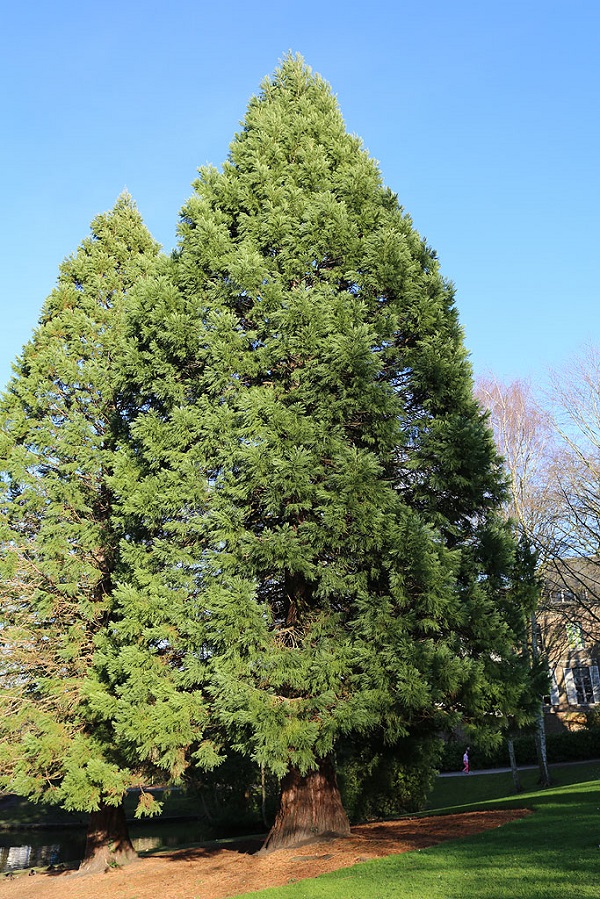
568, 633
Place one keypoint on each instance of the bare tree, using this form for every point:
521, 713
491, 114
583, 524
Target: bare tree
576, 406
552, 454
525, 437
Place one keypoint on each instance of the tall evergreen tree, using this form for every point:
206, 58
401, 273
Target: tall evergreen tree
61, 420
329, 486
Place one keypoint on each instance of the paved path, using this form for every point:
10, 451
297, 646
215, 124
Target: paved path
508, 770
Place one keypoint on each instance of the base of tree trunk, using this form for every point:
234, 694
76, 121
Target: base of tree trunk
513, 766
540, 747
108, 844
310, 808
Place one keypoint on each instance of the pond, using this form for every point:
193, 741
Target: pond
39, 848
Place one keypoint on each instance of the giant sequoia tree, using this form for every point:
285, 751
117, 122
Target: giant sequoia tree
311, 465
62, 418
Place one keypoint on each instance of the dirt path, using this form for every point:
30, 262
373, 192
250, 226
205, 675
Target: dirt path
214, 873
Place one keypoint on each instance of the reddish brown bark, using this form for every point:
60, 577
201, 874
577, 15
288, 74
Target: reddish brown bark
310, 808
108, 844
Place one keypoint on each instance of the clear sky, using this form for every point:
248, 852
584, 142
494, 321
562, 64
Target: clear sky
483, 114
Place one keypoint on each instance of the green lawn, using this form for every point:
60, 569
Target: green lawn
553, 854
496, 790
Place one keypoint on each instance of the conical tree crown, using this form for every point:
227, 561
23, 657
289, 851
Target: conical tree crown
340, 556
298, 228
61, 419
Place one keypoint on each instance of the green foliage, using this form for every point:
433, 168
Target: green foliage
249, 504
384, 782
592, 719
313, 493
61, 420
235, 798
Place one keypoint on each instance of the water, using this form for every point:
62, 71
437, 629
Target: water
21, 849
32, 849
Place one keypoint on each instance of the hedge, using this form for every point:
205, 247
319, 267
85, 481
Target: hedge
575, 746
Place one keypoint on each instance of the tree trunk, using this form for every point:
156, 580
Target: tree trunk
540, 747
263, 791
310, 808
108, 843
540, 725
513, 766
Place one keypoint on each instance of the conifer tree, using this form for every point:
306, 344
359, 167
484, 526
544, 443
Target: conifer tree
61, 420
330, 487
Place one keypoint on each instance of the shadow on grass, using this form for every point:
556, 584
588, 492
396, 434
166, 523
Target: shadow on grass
246, 846
552, 854
496, 790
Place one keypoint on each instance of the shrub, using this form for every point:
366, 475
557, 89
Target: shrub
383, 781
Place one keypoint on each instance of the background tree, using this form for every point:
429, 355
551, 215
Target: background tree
62, 418
526, 438
314, 465
576, 407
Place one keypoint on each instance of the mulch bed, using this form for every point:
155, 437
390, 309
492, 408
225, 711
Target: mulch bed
216, 873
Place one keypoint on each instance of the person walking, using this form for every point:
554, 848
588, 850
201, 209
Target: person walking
466, 768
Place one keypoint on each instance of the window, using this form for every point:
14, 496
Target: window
583, 684
575, 635
563, 596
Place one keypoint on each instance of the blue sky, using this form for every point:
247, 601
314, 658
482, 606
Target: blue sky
484, 117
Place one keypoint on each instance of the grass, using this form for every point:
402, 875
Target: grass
552, 854
461, 794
